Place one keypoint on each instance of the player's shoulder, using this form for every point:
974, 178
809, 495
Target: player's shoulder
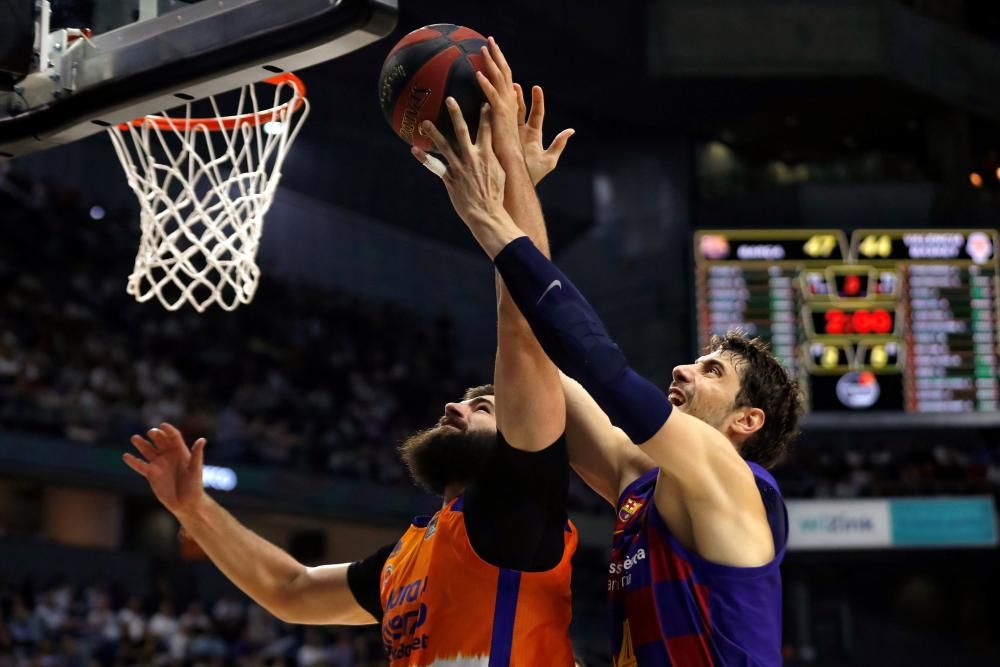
698, 464
706, 450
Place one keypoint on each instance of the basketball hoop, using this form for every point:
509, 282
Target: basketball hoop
204, 185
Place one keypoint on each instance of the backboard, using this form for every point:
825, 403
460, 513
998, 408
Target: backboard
92, 64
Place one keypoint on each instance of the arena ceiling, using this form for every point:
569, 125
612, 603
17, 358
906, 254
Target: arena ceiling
592, 60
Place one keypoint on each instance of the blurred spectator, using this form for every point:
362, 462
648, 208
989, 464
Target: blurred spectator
50, 614
25, 629
227, 614
163, 623
897, 469
341, 654
194, 619
313, 653
127, 637
132, 620
260, 628
178, 644
206, 643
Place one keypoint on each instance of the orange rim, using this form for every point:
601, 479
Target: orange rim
227, 122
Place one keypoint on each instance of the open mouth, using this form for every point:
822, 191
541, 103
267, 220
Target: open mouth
676, 397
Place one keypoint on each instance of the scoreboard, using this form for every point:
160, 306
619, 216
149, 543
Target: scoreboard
881, 320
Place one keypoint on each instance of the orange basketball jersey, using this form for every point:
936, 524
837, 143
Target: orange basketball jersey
445, 607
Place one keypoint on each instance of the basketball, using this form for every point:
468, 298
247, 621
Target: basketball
425, 67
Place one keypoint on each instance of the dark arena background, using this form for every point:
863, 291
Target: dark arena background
824, 174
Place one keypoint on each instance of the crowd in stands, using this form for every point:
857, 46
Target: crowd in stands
304, 378
66, 626
881, 469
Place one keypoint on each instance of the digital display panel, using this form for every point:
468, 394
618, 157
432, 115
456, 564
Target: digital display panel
873, 320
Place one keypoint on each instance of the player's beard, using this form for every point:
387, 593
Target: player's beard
441, 455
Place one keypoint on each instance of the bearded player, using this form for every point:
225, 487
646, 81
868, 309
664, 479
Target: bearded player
701, 525
486, 580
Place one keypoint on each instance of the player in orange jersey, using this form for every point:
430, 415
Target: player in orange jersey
486, 580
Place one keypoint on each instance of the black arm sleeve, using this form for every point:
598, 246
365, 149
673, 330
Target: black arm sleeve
515, 512
364, 578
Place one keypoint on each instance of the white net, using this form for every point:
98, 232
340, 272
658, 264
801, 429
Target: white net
204, 185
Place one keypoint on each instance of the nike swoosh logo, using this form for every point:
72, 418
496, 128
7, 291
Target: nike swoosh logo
554, 283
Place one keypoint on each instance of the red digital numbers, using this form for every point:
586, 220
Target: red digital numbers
835, 321
877, 321
852, 285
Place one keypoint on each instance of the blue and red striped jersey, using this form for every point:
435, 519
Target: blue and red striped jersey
669, 606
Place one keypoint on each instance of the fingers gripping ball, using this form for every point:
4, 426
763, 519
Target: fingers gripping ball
423, 69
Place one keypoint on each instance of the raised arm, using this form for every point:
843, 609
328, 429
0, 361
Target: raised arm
270, 576
705, 488
531, 411
530, 407
599, 452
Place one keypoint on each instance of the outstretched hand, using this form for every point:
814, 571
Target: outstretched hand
473, 177
497, 83
540, 160
515, 132
173, 471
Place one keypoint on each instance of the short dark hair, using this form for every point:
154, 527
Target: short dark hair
476, 392
766, 384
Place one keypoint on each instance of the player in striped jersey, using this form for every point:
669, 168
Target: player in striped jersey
701, 525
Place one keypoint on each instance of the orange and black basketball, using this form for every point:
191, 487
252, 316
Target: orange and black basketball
424, 68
